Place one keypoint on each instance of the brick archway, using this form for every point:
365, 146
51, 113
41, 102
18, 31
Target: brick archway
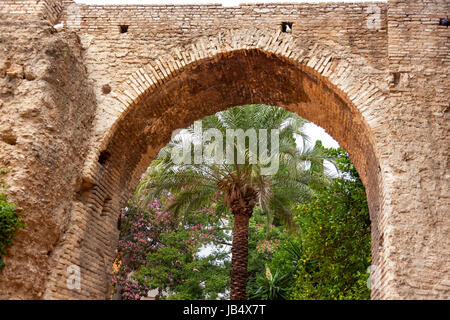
250, 66
380, 68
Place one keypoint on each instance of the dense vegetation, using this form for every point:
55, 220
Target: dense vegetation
233, 175
310, 239
159, 250
329, 257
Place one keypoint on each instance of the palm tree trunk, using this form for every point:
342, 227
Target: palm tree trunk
239, 252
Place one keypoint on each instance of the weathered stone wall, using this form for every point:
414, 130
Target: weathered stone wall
26, 10
46, 111
357, 69
415, 219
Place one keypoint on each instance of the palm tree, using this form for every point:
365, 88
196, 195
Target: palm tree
235, 186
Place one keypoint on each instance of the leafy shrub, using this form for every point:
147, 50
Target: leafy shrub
10, 222
329, 256
158, 250
273, 287
335, 238
265, 238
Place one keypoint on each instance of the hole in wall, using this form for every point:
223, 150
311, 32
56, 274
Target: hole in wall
9, 138
286, 27
119, 222
106, 89
396, 78
103, 157
123, 28
444, 22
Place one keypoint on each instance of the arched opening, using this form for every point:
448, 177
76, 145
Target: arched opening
190, 92
284, 218
226, 80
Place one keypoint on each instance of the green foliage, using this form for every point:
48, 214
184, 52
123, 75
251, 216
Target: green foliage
270, 246
274, 287
329, 256
265, 238
10, 222
324, 256
206, 184
176, 268
335, 233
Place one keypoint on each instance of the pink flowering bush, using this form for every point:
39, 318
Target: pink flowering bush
154, 243
268, 246
140, 231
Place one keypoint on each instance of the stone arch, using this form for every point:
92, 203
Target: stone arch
215, 73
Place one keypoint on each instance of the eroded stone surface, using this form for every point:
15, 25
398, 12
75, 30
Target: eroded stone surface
84, 108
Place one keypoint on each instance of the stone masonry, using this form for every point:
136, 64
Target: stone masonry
89, 94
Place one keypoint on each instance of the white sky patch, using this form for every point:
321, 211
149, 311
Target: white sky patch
315, 133
318, 133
